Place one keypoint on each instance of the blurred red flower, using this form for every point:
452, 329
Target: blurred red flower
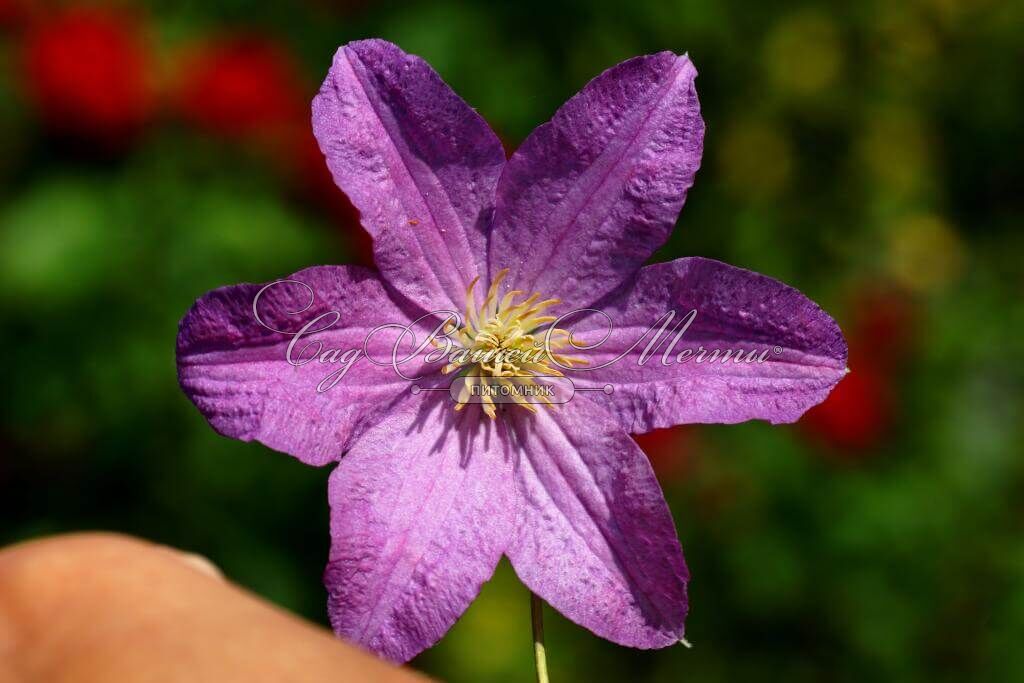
243, 86
14, 12
883, 322
859, 411
10, 12
670, 450
316, 183
87, 71
248, 87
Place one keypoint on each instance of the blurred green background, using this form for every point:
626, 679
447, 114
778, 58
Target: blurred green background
868, 153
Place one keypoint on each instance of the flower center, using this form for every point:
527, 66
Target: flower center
504, 342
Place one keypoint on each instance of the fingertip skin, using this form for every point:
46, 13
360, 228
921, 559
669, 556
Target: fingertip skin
100, 607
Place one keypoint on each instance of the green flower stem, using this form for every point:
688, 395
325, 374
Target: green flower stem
539, 654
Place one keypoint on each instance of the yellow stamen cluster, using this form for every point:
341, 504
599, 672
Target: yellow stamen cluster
500, 343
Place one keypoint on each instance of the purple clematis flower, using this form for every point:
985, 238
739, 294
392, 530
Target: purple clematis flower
426, 499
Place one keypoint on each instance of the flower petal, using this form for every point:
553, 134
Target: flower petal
737, 311
595, 538
236, 371
590, 195
417, 161
422, 508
